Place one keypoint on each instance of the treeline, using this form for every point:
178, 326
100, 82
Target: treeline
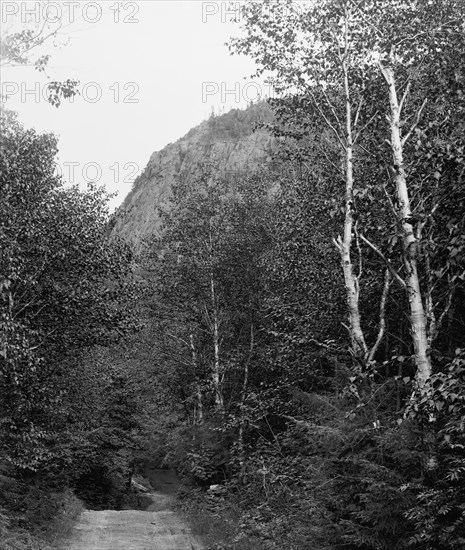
68, 420
308, 323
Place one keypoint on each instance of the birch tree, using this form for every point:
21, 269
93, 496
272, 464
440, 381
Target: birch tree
402, 41
188, 279
207, 276
359, 62
311, 51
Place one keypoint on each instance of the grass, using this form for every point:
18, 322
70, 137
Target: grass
42, 532
62, 523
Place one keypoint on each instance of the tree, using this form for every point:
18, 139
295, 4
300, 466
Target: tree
334, 53
191, 250
25, 47
65, 286
325, 68
206, 270
402, 46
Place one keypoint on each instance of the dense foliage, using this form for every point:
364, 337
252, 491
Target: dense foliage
65, 287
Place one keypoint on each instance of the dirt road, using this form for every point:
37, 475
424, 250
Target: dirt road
158, 528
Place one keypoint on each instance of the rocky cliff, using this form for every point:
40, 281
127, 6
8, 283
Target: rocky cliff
229, 143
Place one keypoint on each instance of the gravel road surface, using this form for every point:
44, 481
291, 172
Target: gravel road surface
157, 528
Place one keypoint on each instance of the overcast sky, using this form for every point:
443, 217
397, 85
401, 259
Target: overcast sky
149, 71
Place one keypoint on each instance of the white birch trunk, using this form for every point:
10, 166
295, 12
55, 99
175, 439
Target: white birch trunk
198, 413
418, 319
358, 343
216, 375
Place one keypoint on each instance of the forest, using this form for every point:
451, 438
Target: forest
292, 342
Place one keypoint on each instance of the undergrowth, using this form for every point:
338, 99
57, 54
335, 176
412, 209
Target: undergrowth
45, 523
219, 528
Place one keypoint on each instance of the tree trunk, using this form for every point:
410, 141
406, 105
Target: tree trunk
198, 413
409, 241
216, 375
358, 343
240, 443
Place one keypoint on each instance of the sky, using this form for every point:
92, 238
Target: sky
149, 71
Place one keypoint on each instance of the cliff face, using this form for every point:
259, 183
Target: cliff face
228, 143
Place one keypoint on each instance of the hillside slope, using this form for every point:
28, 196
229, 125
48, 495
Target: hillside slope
227, 142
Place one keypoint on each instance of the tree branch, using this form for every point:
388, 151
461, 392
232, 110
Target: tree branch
444, 312
43, 340
331, 106
415, 124
364, 127
327, 121
404, 97
385, 260
382, 315
357, 114
393, 208
359, 250
179, 339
